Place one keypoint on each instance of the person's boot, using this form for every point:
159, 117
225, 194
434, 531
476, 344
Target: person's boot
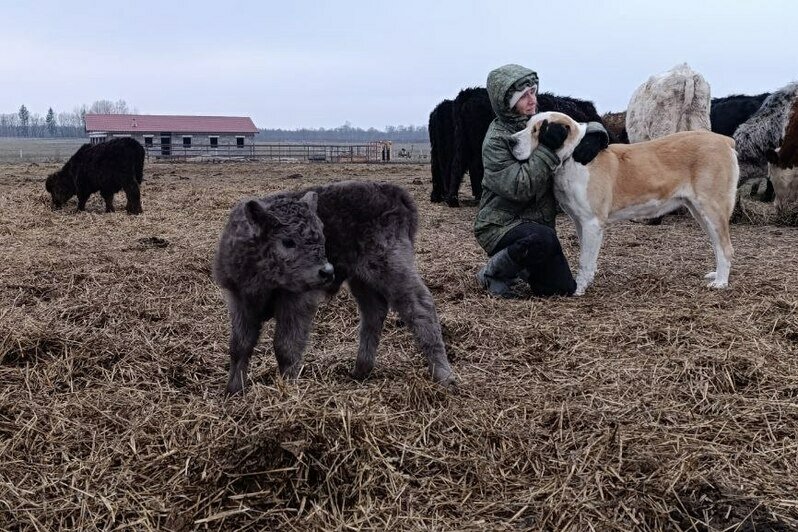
498, 274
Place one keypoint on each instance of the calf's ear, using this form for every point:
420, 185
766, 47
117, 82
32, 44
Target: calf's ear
312, 199
259, 217
772, 156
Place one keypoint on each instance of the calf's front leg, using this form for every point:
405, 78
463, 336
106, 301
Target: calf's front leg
245, 326
294, 316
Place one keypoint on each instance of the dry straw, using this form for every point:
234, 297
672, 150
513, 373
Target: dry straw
652, 403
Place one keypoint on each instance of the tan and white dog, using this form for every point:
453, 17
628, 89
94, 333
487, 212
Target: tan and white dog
695, 169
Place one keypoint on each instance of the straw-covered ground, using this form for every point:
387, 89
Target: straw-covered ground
651, 403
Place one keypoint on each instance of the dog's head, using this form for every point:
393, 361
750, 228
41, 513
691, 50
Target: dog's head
526, 140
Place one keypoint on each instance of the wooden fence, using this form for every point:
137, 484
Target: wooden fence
372, 152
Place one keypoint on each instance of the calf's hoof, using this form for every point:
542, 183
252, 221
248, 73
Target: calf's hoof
718, 284
444, 376
361, 373
290, 372
234, 387
711, 276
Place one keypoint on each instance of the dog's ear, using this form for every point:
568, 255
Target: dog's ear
541, 127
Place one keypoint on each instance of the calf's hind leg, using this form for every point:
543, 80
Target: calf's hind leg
373, 310
406, 292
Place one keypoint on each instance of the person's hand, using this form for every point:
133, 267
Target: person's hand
552, 135
590, 146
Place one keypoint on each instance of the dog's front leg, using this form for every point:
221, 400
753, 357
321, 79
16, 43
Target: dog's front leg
592, 235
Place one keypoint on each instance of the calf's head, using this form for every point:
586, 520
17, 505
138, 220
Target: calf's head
526, 140
61, 187
290, 240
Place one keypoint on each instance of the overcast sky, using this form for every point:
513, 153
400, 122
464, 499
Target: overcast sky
294, 63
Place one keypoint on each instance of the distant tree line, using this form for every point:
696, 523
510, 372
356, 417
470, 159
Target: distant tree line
345, 133
23, 123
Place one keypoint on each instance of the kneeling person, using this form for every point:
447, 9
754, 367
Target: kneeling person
515, 222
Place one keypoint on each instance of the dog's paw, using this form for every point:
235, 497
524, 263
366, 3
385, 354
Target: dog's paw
718, 284
711, 276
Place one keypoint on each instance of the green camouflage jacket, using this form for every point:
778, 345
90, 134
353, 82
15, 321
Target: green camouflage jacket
512, 191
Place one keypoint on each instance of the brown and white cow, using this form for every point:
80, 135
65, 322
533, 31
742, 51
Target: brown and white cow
783, 164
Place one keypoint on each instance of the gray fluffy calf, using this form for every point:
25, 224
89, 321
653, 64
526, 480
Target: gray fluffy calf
279, 256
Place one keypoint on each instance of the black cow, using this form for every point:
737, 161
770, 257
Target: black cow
106, 168
472, 117
441, 139
727, 113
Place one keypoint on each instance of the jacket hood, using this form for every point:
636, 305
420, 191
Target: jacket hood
502, 82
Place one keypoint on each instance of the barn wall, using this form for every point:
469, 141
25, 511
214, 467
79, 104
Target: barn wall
198, 139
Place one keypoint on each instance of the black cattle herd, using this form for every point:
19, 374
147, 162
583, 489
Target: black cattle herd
458, 127
456, 131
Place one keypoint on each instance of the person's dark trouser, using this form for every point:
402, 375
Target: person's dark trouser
537, 248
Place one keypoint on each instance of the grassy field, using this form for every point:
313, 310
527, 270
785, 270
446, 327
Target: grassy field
15, 150
651, 403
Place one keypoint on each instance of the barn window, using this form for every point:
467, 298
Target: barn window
214, 141
148, 141
240, 142
186, 142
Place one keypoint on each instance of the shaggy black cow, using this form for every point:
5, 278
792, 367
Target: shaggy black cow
272, 261
441, 139
106, 168
472, 117
727, 113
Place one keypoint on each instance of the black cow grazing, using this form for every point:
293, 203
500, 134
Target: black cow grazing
280, 255
473, 116
441, 139
727, 113
106, 168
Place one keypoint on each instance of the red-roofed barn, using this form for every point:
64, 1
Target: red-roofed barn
175, 135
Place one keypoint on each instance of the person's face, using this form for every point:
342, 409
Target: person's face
528, 103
